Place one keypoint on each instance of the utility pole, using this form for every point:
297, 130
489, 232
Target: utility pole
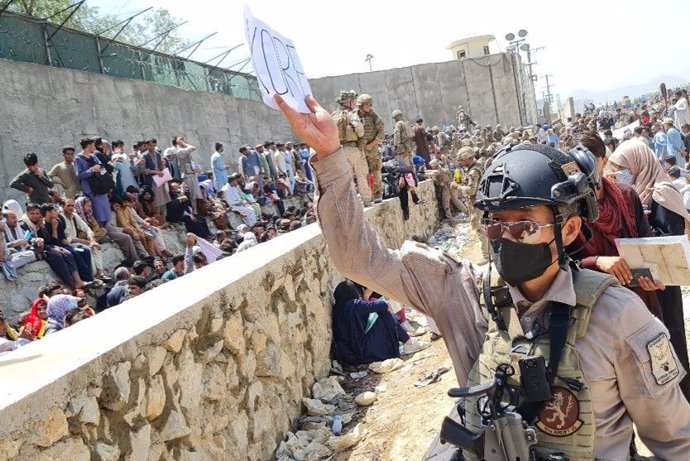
549, 96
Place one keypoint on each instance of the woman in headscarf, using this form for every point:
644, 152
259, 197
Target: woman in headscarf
365, 331
34, 324
668, 216
58, 307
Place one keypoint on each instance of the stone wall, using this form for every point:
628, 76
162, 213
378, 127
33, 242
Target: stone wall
493, 89
210, 366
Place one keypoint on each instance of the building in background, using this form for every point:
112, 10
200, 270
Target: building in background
472, 47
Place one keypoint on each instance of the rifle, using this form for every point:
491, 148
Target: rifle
506, 436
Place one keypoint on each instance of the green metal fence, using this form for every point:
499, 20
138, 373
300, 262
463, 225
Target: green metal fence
27, 39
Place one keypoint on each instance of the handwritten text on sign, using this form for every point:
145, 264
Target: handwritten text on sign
278, 68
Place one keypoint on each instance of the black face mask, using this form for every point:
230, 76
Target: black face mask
519, 262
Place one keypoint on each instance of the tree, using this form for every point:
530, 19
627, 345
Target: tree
141, 30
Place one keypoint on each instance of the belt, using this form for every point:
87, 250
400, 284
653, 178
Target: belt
348, 143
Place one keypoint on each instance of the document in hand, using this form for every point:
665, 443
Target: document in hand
276, 64
159, 180
667, 258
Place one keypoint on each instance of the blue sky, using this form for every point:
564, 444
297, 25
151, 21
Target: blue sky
591, 45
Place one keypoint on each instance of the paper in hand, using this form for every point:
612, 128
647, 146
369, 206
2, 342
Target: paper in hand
277, 66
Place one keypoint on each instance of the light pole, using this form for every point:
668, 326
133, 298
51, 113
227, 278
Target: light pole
368, 59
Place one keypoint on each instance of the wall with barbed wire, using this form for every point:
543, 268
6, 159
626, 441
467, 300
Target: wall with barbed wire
28, 39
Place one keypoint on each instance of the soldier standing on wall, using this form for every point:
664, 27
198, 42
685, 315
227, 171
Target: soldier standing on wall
374, 134
470, 176
402, 137
443, 179
465, 122
350, 133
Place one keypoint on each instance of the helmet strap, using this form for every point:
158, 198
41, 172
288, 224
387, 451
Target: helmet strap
558, 221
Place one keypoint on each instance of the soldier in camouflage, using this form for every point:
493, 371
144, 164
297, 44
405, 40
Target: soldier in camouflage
465, 122
374, 134
441, 175
470, 176
402, 137
351, 132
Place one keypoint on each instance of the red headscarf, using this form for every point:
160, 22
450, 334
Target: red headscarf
33, 322
613, 213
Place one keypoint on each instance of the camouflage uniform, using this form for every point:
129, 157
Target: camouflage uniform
350, 132
402, 141
468, 189
443, 180
373, 131
465, 122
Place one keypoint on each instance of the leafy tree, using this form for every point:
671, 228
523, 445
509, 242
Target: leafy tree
142, 29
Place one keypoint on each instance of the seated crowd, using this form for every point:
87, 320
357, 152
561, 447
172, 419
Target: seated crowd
104, 195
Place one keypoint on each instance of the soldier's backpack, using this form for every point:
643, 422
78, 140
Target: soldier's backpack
409, 127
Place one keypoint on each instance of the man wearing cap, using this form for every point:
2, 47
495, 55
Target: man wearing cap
594, 360
403, 141
350, 133
374, 134
674, 142
65, 175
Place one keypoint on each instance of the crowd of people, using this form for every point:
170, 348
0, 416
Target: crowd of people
103, 194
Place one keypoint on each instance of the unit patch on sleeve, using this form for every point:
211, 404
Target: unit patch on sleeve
560, 417
664, 365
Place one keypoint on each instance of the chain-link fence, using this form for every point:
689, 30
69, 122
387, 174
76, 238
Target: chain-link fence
27, 39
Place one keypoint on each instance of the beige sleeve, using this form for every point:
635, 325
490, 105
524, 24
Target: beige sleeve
648, 372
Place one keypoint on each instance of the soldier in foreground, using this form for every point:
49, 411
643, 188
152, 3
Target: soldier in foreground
374, 134
350, 133
616, 364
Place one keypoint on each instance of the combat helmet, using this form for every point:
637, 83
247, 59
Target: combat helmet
364, 99
528, 175
345, 95
396, 113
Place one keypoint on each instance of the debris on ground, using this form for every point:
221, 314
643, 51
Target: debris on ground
386, 366
431, 377
365, 398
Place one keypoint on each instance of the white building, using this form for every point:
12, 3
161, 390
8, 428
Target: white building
472, 47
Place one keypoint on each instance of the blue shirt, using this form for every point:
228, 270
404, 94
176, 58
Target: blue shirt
659, 144
675, 145
220, 175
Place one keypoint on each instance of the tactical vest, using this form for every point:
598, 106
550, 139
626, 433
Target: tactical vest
346, 132
566, 423
370, 130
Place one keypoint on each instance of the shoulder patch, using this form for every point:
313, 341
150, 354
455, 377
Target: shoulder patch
664, 365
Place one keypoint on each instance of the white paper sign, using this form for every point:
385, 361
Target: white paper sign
277, 66
160, 180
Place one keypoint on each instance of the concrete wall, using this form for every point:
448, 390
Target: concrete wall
44, 108
493, 89
211, 366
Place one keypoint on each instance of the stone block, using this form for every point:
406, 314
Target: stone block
72, 449
233, 334
211, 351
214, 383
105, 452
174, 342
155, 356
175, 427
90, 412
116, 387
51, 429
140, 441
155, 398
9, 448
